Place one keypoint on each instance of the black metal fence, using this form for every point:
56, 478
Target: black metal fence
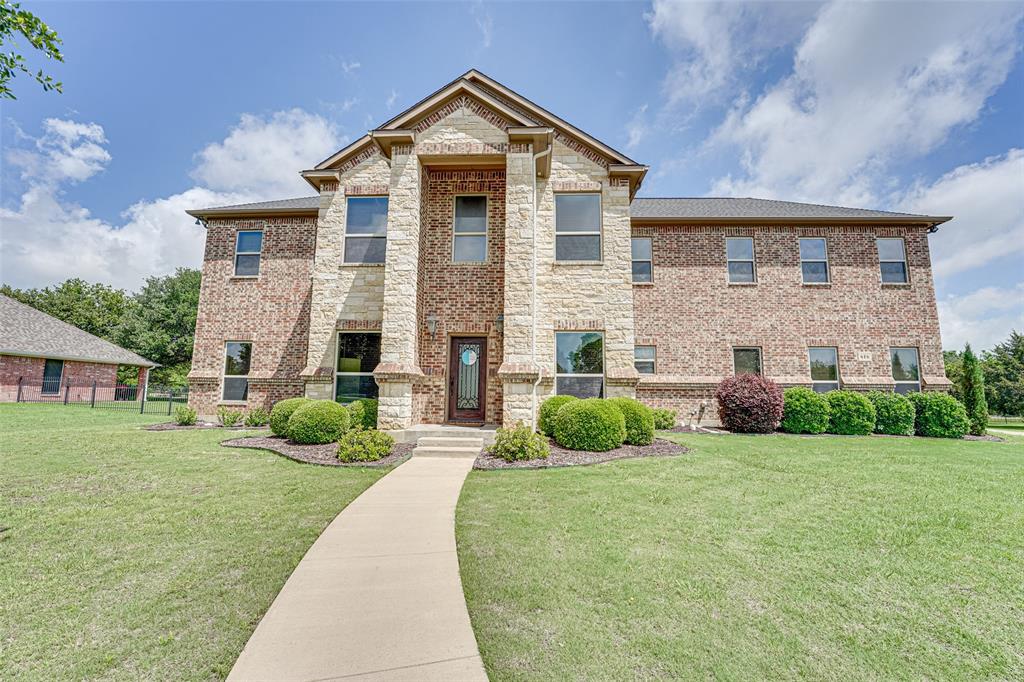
153, 399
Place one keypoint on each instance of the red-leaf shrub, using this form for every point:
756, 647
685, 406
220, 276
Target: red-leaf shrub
749, 403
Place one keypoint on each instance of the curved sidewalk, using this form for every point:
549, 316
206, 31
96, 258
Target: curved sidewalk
378, 596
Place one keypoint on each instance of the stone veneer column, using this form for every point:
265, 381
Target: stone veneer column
519, 370
621, 377
398, 368
318, 374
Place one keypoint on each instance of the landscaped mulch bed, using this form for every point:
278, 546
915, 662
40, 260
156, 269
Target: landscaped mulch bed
325, 455
561, 457
172, 426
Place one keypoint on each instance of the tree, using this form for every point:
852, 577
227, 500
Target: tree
14, 20
972, 392
1003, 368
954, 371
95, 308
161, 324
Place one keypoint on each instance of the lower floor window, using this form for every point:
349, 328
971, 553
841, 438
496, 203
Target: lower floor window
746, 360
579, 364
358, 355
53, 370
643, 359
824, 369
237, 359
906, 370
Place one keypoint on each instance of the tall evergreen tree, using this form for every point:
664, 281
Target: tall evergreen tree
972, 390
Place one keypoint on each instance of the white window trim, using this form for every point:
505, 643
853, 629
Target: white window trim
839, 374
917, 351
259, 265
60, 379
760, 358
344, 250
653, 361
598, 233
604, 359
752, 261
224, 373
906, 267
487, 227
641, 260
828, 265
337, 348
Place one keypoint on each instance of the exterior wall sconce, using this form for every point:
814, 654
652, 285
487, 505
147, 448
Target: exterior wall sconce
499, 323
432, 324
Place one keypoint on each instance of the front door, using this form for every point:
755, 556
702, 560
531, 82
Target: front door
467, 379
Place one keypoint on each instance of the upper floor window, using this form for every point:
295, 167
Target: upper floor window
578, 227
824, 369
248, 247
237, 358
366, 225
579, 364
814, 260
746, 360
906, 370
358, 355
642, 259
470, 243
643, 359
739, 252
892, 258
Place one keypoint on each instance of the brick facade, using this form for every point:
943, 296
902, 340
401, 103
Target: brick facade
272, 311
80, 375
521, 295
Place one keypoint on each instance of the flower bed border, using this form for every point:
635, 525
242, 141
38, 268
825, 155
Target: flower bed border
562, 457
320, 455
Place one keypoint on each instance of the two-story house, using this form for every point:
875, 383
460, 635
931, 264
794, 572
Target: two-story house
477, 253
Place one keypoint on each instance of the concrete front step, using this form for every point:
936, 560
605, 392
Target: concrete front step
415, 433
446, 451
450, 442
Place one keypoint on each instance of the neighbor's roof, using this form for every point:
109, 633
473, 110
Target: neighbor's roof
657, 210
29, 332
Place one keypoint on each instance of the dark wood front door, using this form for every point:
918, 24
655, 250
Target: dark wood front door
467, 379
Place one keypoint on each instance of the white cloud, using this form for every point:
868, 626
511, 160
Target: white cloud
714, 43
391, 98
871, 82
350, 67
983, 317
45, 239
987, 202
267, 153
484, 22
637, 128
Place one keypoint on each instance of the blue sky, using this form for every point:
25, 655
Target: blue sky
905, 106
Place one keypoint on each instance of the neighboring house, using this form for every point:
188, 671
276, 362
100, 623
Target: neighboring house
476, 254
46, 355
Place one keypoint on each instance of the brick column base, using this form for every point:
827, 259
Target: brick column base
517, 390
394, 398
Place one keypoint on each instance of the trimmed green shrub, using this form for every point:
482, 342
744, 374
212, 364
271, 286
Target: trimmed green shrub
664, 418
894, 414
749, 403
229, 417
548, 409
363, 413
318, 422
972, 390
804, 411
257, 416
184, 415
281, 412
939, 415
851, 413
639, 420
518, 444
364, 445
592, 424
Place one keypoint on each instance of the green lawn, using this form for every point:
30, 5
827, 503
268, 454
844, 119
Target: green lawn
753, 558
131, 554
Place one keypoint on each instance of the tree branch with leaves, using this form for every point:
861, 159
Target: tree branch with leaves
15, 21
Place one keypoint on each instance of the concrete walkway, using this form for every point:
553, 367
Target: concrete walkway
378, 596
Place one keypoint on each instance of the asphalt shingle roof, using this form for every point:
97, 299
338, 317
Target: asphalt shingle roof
27, 331
660, 208
745, 207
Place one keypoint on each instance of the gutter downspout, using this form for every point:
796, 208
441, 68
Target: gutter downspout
533, 290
